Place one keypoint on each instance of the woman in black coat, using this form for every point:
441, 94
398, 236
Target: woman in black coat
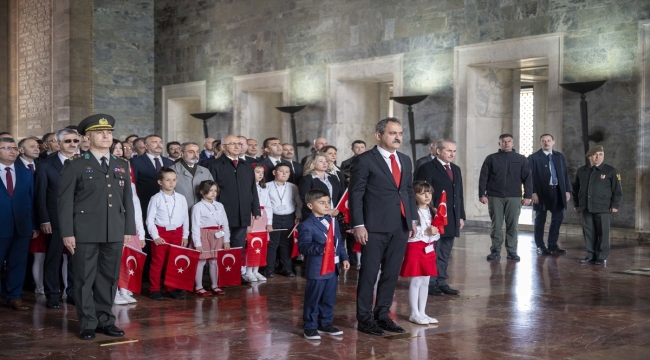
315, 176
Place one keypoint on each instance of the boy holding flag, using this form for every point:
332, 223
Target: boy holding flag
319, 240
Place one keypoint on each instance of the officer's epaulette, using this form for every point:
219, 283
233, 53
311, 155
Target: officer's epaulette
113, 156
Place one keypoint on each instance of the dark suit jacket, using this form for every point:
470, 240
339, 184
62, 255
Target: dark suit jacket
421, 161
16, 211
146, 178
435, 174
374, 197
47, 190
297, 169
268, 173
308, 182
96, 206
204, 156
312, 235
237, 190
251, 160
542, 176
346, 163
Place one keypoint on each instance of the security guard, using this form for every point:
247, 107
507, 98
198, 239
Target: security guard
596, 195
96, 219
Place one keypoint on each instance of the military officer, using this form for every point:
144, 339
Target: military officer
96, 218
596, 195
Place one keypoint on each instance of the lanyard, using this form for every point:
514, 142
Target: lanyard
277, 190
170, 214
213, 213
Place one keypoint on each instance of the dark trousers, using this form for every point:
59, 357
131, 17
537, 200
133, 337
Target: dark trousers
97, 270
52, 265
281, 244
14, 250
349, 246
387, 250
595, 228
320, 296
553, 204
238, 239
443, 250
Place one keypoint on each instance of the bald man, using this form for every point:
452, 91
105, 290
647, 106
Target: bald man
208, 150
319, 143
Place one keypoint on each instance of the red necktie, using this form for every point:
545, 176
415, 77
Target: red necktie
31, 167
10, 182
397, 175
235, 162
449, 172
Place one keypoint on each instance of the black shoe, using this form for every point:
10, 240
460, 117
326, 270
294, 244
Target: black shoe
269, 274
449, 291
287, 273
513, 256
110, 330
175, 294
599, 262
53, 304
70, 301
87, 334
494, 256
543, 251
388, 325
330, 330
371, 328
311, 334
587, 260
435, 291
156, 295
556, 250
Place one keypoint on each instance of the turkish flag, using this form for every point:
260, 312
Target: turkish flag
131, 269
294, 233
327, 266
228, 267
256, 245
181, 267
343, 207
440, 220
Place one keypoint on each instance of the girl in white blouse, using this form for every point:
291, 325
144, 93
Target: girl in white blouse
253, 273
210, 232
420, 257
125, 296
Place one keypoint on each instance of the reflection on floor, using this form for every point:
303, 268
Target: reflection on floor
538, 308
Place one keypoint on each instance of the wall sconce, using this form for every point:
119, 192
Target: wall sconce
292, 110
204, 117
410, 101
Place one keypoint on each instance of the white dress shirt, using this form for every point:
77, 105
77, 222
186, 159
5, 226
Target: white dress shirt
139, 225
425, 222
283, 196
27, 162
151, 157
99, 157
265, 201
386, 155
3, 175
547, 153
206, 214
62, 158
167, 211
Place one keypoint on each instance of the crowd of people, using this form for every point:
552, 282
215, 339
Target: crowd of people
74, 198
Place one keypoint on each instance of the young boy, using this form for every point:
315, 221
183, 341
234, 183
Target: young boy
320, 291
285, 200
168, 223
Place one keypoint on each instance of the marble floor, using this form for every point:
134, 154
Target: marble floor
539, 308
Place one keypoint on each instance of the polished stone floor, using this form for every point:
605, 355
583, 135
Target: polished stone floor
539, 308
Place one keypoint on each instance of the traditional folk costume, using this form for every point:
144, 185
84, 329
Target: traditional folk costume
210, 231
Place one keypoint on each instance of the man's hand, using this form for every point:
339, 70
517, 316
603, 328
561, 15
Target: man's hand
613, 210
35, 234
346, 265
70, 244
361, 234
297, 221
462, 224
414, 230
226, 246
525, 202
46, 228
127, 239
159, 241
256, 217
577, 209
269, 228
199, 249
568, 196
184, 242
483, 199
535, 199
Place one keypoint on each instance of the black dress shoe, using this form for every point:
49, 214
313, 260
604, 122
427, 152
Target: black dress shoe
269, 274
543, 251
435, 291
449, 291
556, 250
52, 304
175, 294
513, 256
287, 273
388, 325
371, 328
599, 262
156, 295
87, 334
110, 330
587, 260
494, 256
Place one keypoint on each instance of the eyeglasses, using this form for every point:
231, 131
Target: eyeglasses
7, 148
233, 144
175, 149
67, 141
128, 148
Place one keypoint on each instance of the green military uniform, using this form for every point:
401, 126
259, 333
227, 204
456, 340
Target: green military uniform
596, 189
96, 207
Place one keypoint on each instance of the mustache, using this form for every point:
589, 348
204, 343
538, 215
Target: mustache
397, 141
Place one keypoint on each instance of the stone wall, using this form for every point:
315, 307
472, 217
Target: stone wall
215, 40
4, 64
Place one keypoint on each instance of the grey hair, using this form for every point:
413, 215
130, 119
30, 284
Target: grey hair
183, 145
63, 132
441, 143
381, 125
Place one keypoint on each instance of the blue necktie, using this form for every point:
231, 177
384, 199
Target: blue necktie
552, 166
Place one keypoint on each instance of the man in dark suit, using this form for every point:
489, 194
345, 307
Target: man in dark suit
384, 216
319, 143
273, 148
296, 167
51, 145
425, 159
146, 168
96, 220
208, 150
18, 225
237, 191
445, 176
47, 193
244, 149
551, 192
358, 148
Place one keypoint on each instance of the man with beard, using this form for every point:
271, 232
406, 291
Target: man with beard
174, 150
190, 173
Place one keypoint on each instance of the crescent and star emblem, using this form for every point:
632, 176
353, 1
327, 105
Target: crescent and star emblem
223, 260
257, 251
131, 271
443, 211
346, 204
184, 257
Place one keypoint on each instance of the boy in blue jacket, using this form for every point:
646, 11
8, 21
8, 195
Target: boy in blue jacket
320, 291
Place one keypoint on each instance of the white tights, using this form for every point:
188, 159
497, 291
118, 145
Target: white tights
418, 293
212, 269
37, 269
252, 270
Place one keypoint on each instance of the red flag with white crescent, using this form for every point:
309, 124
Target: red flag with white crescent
256, 245
328, 265
181, 267
229, 267
294, 235
440, 220
131, 269
343, 207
